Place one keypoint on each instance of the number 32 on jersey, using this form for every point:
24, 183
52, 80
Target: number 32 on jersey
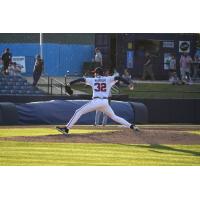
100, 87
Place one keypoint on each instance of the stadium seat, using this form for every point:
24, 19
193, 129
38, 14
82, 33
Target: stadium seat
8, 83
28, 92
4, 91
7, 87
17, 85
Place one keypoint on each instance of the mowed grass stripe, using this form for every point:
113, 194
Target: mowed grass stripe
123, 148
98, 157
7, 132
93, 147
92, 162
83, 154
36, 162
194, 132
80, 151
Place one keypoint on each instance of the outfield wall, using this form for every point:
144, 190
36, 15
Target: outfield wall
61, 111
159, 110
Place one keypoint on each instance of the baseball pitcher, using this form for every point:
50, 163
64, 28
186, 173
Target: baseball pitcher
101, 86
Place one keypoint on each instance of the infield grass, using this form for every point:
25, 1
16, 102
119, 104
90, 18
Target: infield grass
10, 132
14, 153
157, 91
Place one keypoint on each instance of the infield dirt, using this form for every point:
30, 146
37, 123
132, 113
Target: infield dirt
147, 135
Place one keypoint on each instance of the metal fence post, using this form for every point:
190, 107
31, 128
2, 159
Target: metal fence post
48, 85
51, 85
65, 79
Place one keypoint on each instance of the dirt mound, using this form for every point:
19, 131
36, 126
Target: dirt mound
123, 136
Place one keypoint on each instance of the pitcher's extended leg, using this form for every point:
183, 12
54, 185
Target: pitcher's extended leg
109, 112
89, 107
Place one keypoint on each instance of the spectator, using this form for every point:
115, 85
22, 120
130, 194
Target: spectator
115, 72
6, 59
148, 67
195, 65
185, 66
37, 71
173, 78
15, 69
98, 58
127, 76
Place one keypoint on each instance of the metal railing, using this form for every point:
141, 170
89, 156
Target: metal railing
52, 82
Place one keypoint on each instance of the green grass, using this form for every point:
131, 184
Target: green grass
149, 90
73, 154
10, 132
195, 132
60, 154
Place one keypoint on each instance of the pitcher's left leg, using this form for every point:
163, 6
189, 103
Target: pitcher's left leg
109, 112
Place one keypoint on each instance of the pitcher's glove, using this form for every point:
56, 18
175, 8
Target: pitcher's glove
68, 89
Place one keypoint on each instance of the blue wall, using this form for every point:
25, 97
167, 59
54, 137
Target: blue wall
58, 58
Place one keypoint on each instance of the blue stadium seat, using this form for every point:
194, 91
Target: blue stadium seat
11, 79
23, 87
3, 83
4, 91
28, 87
9, 83
28, 92
38, 92
16, 85
21, 91
2, 79
12, 91
8, 87
25, 83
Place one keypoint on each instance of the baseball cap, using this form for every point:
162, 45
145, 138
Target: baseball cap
98, 70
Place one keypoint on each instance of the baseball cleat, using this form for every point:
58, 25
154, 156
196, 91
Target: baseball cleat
64, 130
135, 128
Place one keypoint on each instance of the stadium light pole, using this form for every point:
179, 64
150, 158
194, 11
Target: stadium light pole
116, 51
41, 49
41, 43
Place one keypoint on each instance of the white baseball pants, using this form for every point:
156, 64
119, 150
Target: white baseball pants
100, 105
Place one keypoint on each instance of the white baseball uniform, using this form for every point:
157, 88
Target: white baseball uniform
101, 86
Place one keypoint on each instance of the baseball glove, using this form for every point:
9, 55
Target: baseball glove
68, 89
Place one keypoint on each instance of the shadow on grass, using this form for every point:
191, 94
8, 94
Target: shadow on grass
157, 147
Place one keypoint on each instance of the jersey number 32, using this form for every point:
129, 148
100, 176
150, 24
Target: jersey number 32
100, 87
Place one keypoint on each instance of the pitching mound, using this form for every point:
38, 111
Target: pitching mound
123, 136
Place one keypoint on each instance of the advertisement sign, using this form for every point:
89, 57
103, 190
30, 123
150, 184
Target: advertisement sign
168, 44
20, 60
130, 57
184, 46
